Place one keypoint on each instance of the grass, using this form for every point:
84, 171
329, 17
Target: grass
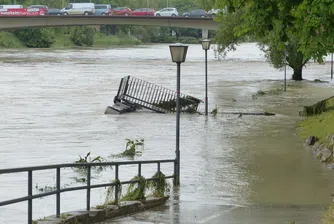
328, 217
9, 40
65, 216
102, 41
319, 126
63, 41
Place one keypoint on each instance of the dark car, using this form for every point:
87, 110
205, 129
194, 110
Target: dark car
143, 12
56, 12
196, 13
102, 9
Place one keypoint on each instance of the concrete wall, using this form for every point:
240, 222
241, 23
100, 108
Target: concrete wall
99, 215
12, 22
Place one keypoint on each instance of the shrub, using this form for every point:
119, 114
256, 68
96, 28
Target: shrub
141, 33
82, 36
36, 37
188, 40
8, 40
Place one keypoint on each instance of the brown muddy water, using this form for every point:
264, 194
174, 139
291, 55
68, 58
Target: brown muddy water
53, 106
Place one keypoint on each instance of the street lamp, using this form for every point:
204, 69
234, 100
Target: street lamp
206, 46
178, 53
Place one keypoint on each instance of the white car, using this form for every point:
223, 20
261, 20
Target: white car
167, 12
79, 9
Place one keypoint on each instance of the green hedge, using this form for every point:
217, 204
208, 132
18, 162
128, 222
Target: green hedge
36, 37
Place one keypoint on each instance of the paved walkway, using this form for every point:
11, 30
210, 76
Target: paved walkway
191, 212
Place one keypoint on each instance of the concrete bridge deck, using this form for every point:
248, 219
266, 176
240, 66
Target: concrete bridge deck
15, 22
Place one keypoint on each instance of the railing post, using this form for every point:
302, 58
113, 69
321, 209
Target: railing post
88, 187
175, 171
30, 197
139, 169
58, 193
158, 176
116, 187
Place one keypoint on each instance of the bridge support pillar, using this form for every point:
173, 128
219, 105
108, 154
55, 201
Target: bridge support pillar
205, 34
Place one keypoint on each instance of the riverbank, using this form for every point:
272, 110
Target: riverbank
318, 130
9, 40
60, 38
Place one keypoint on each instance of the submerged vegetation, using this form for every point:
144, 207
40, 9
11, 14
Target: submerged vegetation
132, 148
88, 159
318, 108
137, 191
159, 185
270, 92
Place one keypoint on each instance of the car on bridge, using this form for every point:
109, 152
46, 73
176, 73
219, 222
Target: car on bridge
55, 12
121, 11
79, 9
196, 13
143, 12
167, 12
11, 6
102, 9
41, 7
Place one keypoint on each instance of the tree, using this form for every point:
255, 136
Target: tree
271, 23
36, 37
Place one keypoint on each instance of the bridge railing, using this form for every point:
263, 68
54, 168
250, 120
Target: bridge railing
88, 166
153, 97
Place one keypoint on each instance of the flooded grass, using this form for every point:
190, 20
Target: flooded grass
328, 217
319, 126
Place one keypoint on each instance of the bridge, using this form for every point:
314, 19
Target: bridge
15, 22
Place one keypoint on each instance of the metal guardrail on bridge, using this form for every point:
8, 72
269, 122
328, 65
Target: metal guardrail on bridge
137, 92
88, 186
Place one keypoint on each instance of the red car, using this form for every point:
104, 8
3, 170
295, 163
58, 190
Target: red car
143, 12
121, 11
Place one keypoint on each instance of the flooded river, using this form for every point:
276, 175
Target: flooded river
53, 106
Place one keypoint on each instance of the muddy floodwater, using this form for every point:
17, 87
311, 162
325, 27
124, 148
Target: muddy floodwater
52, 110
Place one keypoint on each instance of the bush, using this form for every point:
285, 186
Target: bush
188, 40
81, 36
36, 37
8, 40
141, 34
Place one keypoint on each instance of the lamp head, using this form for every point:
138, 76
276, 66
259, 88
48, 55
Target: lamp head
206, 44
178, 52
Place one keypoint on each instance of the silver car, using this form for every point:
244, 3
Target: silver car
167, 12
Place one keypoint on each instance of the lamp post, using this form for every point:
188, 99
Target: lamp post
332, 66
206, 46
178, 53
284, 69
285, 55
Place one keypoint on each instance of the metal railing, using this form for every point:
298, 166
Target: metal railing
87, 187
153, 97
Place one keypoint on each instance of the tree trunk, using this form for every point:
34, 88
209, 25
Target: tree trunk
297, 74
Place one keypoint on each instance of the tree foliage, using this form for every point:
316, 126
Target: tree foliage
315, 25
294, 27
36, 37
